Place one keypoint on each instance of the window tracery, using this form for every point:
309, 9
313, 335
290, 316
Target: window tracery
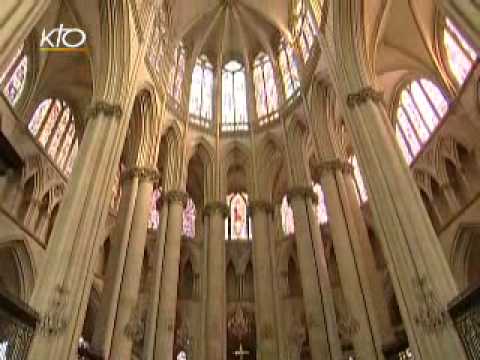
201, 93
53, 125
234, 98
304, 29
460, 54
265, 87
238, 222
288, 69
420, 109
13, 79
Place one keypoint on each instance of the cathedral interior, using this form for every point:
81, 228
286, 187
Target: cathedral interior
240, 179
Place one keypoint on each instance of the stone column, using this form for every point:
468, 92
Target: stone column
152, 312
113, 278
267, 341
354, 279
163, 348
127, 320
215, 317
317, 293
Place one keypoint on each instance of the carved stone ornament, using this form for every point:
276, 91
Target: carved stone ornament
143, 173
177, 196
135, 328
348, 326
303, 192
432, 316
261, 205
215, 206
54, 321
333, 165
104, 108
365, 94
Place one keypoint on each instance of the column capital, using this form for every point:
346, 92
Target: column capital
363, 95
215, 206
143, 173
301, 191
261, 205
104, 108
177, 196
334, 165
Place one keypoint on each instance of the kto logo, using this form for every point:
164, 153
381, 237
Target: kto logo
63, 39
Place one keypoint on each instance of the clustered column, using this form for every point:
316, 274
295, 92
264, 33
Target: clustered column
215, 317
317, 292
264, 292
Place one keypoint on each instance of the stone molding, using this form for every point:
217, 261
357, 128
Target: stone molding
431, 315
215, 206
143, 173
364, 95
302, 191
104, 108
177, 196
335, 165
261, 205
54, 321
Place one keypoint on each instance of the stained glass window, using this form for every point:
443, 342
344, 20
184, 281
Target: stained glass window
288, 68
189, 214
304, 29
12, 81
265, 87
238, 223
53, 125
178, 72
421, 108
154, 217
460, 54
288, 224
234, 97
321, 208
359, 183
201, 93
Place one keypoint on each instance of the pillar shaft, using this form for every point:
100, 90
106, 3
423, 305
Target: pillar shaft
351, 266
127, 308
215, 321
267, 341
168, 296
317, 293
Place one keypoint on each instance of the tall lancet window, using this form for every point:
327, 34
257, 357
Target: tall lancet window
177, 73
288, 68
189, 215
265, 87
53, 125
304, 29
154, 217
362, 195
421, 107
238, 222
201, 93
288, 224
234, 98
12, 81
460, 54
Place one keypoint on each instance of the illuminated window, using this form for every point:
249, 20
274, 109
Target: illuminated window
238, 223
288, 224
359, 183
288, 68
178, 72
53, 125
12, 81
317, 7
265, 87
182, 355
421, 108
116, 190
189, 215
201, 93
154, 217
304, 29
321, 208
460, 54
234, 98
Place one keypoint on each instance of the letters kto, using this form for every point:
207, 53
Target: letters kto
63, 38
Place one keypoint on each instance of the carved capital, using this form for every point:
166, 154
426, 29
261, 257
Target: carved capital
54, 321
364, 95
215, 206
261, 205
104, 108
431, 315
143, 173
303, 192
177, 196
